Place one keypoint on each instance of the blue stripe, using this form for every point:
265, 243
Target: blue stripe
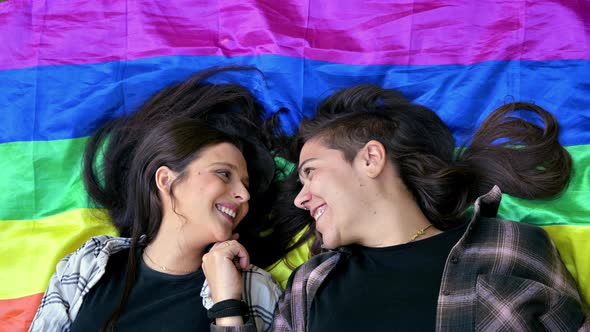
69, 101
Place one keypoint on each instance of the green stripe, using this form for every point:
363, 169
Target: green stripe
569, 208
42, 178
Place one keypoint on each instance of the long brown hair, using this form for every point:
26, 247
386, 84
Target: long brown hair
171, 143
171, 129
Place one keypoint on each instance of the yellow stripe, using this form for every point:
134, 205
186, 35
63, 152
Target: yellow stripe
30, 249
573, 243
281, 270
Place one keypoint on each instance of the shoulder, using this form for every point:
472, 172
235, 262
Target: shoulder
517, 234
320, 259
102, 244
92, 252
316, 267
490, 229
521, 250
301, 287
514, 240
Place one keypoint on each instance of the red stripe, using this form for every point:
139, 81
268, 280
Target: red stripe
354, 32
16, 315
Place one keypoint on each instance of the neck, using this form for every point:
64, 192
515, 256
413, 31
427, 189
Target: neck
171, 253
395, 219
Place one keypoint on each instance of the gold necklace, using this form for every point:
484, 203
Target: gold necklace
418, 233
162, 267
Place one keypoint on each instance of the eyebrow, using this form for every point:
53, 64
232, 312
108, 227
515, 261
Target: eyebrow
303, 164
245, 180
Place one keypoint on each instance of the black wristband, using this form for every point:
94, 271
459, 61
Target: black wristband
228, 308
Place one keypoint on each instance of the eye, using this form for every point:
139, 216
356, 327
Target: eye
225, 174
305, 174
307, 171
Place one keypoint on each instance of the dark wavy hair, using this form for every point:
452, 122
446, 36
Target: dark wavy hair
171, 129
522, 158
230, 108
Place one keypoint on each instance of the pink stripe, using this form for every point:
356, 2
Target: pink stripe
354, 32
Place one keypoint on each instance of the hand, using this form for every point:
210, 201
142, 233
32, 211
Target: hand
222, 266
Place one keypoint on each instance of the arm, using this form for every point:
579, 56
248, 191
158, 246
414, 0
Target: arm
222, 266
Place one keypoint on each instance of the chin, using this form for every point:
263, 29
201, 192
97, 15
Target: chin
228, 235
224, 238
329, 244
334, 243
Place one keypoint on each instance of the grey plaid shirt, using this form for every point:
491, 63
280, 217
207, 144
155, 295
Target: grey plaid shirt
79, 271
491, 277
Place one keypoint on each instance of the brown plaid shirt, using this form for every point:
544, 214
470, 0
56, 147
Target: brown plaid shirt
500, 276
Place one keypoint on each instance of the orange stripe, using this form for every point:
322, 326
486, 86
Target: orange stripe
16, 315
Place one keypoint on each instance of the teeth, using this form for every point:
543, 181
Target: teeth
227, 211
319, 212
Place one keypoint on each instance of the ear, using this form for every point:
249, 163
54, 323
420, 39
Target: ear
373, 158
164, 177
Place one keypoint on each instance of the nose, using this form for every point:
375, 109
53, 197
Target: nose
241, 193
303, 198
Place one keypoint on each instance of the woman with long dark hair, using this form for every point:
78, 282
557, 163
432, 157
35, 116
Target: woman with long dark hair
389, 196
183, 179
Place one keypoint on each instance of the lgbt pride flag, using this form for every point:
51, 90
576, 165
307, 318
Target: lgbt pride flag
67, 66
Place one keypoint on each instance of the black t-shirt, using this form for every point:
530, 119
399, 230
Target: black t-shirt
158, 301
384, 289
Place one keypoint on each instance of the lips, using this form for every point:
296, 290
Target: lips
229, 211
318, 211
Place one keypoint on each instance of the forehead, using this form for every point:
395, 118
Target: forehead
225, 153
316, 149
311, 149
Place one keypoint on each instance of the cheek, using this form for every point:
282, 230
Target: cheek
330, 188
244, 211
212, 187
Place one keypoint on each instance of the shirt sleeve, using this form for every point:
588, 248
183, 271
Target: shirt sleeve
292, 308
72, 277
282, 316
262, 294
53, 312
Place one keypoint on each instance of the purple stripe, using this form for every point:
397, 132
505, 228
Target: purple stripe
354, 32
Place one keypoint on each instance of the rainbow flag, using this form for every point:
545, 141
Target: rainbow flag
67, 66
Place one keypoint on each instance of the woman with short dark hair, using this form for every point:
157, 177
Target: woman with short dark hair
389, 195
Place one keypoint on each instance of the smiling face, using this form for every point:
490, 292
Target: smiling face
333, 192
212, 196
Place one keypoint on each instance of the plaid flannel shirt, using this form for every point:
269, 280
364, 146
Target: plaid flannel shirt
79, 271
492, 276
